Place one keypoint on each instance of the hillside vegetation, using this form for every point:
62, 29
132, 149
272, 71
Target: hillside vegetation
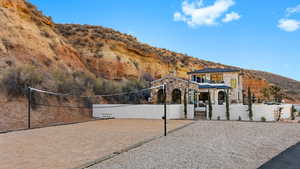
30, 39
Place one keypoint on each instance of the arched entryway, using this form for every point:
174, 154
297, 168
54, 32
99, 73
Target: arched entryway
176, 96
160, 96
203, 96
221, 97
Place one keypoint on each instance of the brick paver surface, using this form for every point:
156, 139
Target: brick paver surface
70, 146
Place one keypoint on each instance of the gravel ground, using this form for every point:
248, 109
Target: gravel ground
211, 145
70, 146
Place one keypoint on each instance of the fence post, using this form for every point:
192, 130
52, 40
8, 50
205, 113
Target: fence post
165, 109
29, 107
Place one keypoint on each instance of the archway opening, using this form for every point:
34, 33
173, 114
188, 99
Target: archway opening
203, 97
176, 96
160, 96
221, 97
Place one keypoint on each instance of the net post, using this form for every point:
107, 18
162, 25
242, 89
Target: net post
165, 110
29, 107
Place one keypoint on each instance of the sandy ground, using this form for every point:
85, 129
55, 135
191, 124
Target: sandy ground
70, 146
211, 145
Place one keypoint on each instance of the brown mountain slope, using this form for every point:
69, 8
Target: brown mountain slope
27, 36
290, 86
102, 49
110, 48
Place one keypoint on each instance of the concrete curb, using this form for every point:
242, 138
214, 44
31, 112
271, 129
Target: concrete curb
131, 147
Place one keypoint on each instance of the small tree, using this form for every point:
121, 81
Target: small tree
250, 104
276, 92
293, 111
227, 105
185, 103
209, 106
266, 93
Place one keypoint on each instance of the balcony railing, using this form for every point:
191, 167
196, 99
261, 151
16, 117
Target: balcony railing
209, 81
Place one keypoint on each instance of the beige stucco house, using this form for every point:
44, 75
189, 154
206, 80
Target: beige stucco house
216, 82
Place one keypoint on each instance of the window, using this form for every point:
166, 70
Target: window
216, 78
198, 78
233, 83
194, 78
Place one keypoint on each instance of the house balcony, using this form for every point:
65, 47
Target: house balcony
205, 81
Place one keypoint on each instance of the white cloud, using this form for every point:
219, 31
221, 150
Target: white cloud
231, 17
179, 17
289, 25
293, 10
196, 14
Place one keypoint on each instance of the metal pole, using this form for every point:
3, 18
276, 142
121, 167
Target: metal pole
29, 106
165, 109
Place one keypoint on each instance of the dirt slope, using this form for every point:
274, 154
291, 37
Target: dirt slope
29, 37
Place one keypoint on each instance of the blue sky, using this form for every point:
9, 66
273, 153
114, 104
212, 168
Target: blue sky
256, 34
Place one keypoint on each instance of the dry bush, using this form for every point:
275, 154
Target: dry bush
16, 80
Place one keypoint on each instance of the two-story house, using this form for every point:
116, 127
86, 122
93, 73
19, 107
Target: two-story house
218, 81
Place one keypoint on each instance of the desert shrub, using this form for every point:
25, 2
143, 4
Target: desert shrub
9, 62
76, 83
147, 77
263, 119
99, 44
136, 64
8, 44
45, 34
107, 87
118, 58
47, 62
103, 86
98, 55
134, 86
16, 80
79, 42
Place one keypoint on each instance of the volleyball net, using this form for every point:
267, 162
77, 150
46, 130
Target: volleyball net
48, 108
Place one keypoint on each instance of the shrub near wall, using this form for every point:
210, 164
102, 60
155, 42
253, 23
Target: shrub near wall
240, 111
293, 112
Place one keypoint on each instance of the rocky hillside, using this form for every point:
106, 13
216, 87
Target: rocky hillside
103, 48
290, 86
29, 37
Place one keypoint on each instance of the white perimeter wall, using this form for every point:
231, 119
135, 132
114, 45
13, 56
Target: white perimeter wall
270, 112
141, 111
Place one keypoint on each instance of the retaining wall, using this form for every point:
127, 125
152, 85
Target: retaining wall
142, 111
270, 112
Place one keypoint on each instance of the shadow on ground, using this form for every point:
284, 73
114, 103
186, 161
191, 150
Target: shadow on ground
289, 159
